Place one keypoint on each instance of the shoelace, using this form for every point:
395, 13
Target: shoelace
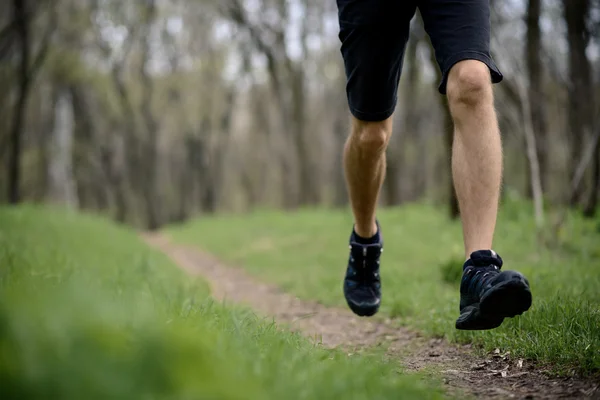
365, 267
480, 276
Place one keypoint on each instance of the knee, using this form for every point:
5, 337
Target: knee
469, 84
372, 137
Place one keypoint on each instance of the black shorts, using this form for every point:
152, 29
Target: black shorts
374, 34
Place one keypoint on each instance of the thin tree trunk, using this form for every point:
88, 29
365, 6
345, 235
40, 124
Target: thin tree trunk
534, 167
115, 178
16, 135
151, 143
577, 178
584, 163
43, 142
187, 186
256, 180
581, 104
592, 204
340, 128
26, 75
453, 208
307, 177
222, 145
150, 155
128, 155
536, 95
202, 159
91, 175
62, 187
392, 175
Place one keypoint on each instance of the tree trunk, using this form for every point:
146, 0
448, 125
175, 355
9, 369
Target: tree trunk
307, 174
187, 183
90, 177
115, 176
453, 207
391, 189
585, 162
290, 107
16, 135
341, 131
582, 165
534, 167
592, 204
222, 145
126, 164
201, 158
209, 199
151, 155
46, 96
61, 183
536, 90
26, 74
581, 104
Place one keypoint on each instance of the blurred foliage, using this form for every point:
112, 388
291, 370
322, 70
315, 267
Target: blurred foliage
451, 271
189, 107
88, 311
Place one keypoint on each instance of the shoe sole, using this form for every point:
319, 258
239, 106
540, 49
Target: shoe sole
363, 311
506, 300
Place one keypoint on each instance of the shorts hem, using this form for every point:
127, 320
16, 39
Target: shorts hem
495, 73
372, 116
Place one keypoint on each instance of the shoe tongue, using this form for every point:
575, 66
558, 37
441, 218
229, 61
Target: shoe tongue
483, 258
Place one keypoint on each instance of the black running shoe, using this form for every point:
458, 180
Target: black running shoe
362, 285
488, 295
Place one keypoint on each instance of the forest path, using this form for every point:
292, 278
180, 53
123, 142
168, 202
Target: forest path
495, 376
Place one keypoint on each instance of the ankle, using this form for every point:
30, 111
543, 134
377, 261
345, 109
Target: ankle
475, 250
483, 257
366, 230
366, 236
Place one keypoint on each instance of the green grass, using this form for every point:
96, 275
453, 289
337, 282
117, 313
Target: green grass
87, 311
305, 252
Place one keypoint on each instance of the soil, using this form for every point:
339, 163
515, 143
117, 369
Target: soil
463, 372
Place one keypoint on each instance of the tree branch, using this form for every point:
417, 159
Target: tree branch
235, 11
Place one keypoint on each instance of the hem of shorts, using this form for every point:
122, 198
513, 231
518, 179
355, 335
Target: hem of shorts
372, 116
497, 76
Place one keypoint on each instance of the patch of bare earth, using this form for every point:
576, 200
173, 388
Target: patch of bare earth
495, 376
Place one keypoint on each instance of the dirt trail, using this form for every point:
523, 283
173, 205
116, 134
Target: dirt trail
496, 376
